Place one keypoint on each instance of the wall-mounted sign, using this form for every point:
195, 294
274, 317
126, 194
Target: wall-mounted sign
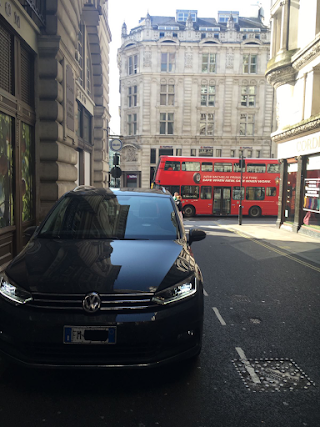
309, 144
70, 98
116, 144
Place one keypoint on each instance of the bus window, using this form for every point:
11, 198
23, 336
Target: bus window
273, 168
190, 192
236, 193
206, 167
206, 193
255, 193
191, 166
172, 166
271, 191
237, 168
172, 188
223, 167
256, 168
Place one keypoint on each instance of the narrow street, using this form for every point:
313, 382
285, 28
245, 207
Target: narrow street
260, 363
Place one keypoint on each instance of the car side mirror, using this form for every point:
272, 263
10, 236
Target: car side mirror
195, 235
28, 232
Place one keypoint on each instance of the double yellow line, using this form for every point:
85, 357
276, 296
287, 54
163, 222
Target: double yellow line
299, 261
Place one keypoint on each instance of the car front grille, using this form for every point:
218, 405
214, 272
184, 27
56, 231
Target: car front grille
109, 302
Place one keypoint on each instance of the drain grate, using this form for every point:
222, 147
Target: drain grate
272, 375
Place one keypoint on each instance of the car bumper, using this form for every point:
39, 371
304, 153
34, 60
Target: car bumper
144, 339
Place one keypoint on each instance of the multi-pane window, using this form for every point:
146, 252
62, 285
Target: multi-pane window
258, 154
133, 64
206, 124
132, 96
179, 152
132, 124
208, 63
166, 94
88, 74
232, 153
193, 152
84, 60
218, 152
249, 154
246, 124
167, 62
207, 95
249, 64
166, 123
248, 96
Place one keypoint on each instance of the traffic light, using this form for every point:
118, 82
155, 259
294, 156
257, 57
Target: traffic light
241, 163
116, 172
116, 159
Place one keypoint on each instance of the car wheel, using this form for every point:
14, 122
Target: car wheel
254, 212
189, 211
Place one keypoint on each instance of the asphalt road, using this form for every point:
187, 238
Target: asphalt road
260, 364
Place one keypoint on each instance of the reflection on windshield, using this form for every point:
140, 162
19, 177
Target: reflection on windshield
122, 217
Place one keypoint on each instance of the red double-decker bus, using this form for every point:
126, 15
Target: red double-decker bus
211, 186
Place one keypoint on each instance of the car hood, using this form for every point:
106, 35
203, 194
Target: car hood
69, 266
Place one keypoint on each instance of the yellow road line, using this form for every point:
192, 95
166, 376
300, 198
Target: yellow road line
306, 264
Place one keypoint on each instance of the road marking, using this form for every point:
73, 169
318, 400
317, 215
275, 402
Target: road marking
205, 293
247, 365
306, 264
223, 323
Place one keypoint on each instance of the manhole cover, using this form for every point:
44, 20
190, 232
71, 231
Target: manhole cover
240, 298
272, 375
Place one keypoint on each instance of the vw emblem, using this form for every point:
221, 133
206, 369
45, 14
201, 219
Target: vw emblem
91, 302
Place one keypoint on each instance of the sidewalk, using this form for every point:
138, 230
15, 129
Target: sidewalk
265, 229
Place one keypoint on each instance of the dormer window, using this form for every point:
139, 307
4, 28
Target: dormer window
182, 15
224, 17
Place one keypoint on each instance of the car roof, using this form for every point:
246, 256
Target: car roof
93, 191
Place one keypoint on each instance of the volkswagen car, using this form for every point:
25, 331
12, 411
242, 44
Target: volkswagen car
107, 280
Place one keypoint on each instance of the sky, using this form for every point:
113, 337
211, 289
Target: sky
130, 12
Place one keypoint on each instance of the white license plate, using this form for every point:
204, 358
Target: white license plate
89, 335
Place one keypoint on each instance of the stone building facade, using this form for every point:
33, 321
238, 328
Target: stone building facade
54, 116
294, 71
193, 86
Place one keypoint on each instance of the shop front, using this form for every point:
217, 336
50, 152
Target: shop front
299, 207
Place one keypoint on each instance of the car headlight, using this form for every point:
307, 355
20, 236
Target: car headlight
176, 293
12, 292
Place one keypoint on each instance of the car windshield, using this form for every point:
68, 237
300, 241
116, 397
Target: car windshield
105, 217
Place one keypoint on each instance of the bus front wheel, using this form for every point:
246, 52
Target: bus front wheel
254, 212
189, 211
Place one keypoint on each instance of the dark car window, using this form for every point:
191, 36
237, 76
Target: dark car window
122, 217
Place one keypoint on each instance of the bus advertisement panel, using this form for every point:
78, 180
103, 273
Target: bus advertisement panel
212, 186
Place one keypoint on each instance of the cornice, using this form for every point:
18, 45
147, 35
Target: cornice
281, 76
306, 55
297, 131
